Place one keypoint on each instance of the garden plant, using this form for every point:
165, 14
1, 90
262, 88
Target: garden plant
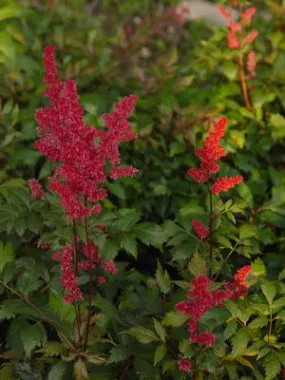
142, 206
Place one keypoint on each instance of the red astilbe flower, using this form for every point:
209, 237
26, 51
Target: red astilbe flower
233, 41
251, 64
237, 29
65, 139
225, 183
201, 299
248, 14
199, 175
210, 152
225, 13
184, 365
68, 276
36, 188
242, 273
250, 37
200, 229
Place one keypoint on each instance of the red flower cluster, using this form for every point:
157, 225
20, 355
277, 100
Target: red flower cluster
184, 365
201, 299
36, 188
68, 274
208, 155
236, 39
80, 150
225, 183
200, 229
251, 64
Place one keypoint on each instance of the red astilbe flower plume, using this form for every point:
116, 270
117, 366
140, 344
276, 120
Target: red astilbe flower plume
184, 365
201, 299
248, 14
225, 183
242, 273
36, 188
210, 153
199, 175
200, 229
65, 139
68, 276
251, 64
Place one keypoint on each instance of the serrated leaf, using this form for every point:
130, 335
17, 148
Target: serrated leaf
272, 367
230, 329
184, 346
174, 319
258, 322
64, 310
258, 268
159, 353
149, 233
224, 241
163, 279
119, 353
197, 265
33, 336
51, 349
129, 244
160, 330
6, 254
168, 366
239, 343
269, 290
143, 335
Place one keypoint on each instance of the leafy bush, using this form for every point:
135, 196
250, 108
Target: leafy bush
171, 279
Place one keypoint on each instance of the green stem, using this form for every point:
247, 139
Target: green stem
44, 317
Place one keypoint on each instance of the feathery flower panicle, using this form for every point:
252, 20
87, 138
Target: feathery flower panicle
242, 273
251, 64
200, 229
248, 14
250, 37
225, 183
36, 188
235, 26
184, 365
224, 12
199, 175
201, 299
65, 139
233, 41
68, 277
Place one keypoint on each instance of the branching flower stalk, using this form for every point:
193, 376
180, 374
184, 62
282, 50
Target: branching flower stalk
209, 155
80, 154
239, 39
201, 297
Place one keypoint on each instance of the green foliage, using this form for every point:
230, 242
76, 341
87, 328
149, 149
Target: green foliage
185, 77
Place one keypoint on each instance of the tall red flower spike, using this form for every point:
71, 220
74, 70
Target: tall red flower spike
208, 155
81, 151
200, 229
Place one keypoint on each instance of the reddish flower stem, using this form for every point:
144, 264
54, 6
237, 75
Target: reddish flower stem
243, 84
75, 259
89, 281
